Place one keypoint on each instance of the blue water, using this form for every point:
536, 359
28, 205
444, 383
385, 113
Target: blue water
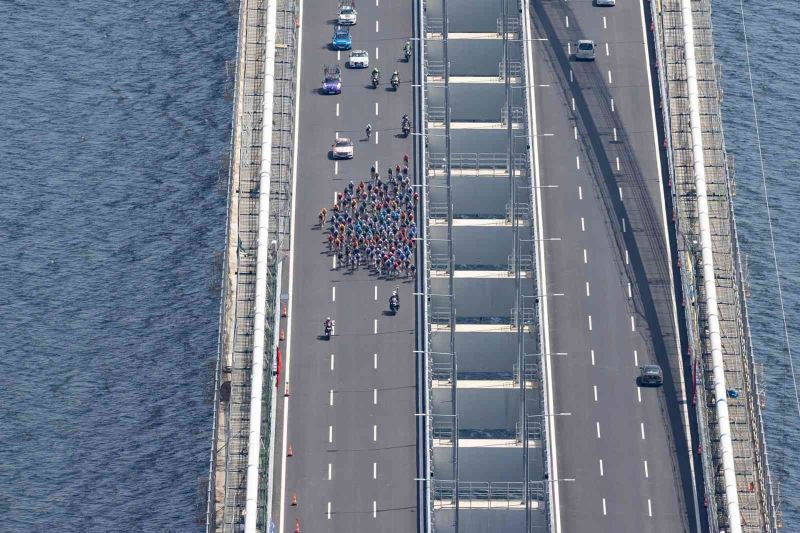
112, 220
111, 217
769, 22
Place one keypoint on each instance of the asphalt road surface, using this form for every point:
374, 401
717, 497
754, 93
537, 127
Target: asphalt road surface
624, 445
351, 408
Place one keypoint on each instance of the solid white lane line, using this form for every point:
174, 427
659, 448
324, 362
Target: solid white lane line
374, 509
578, 162
649, 507
590, 322
607, 51
330, 471
601, 468
624, 229
375, 329
377, 27
626, 257
592, 353
575, 132
376, 293
337, 109
331, 362
573, 103
375, 361
633, 324
646, 472
583, 225
333, 293
598, 429
642, 426
595, 392
374, 470
635, 358
329, 510
639, 393
612, 104
375, 432
617, 164
331, 397
374, 396
630, 294
604, 507
580, 193
615, 134
587, 289
330, 433
609, 77
585, 257
604, 23
376, 109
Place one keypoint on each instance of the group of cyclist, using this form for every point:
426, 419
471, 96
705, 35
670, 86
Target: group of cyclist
372, 223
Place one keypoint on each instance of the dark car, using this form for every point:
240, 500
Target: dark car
332, 80
651, 375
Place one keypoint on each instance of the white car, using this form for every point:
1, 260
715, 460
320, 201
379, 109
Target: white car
358, 59
609, 3
348, 16
342, 148
585, 50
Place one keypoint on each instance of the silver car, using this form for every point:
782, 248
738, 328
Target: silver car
585, 50
358, 59
342, 148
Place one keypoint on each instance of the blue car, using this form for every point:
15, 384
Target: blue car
341, 38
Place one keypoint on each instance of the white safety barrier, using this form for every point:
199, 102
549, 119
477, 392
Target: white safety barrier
262, 258
709, 280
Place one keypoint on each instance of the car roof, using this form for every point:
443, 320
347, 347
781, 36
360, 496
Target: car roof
650, 369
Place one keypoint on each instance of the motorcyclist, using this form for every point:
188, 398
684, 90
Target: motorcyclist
407, 49
376, 74
395, 78
328, 326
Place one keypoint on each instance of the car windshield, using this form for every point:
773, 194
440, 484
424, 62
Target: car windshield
346, 10
585, 46
342, 143
341, 32
358, 54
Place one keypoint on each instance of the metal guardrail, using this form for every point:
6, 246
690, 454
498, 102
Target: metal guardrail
492, 164
667, 14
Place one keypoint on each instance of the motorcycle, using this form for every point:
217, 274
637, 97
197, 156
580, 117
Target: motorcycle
407, 52
329, 329
376, 79
395, 81
406, 127
394, 302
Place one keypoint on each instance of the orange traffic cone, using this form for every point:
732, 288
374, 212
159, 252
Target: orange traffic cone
296, 525
289, 452
294, 499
